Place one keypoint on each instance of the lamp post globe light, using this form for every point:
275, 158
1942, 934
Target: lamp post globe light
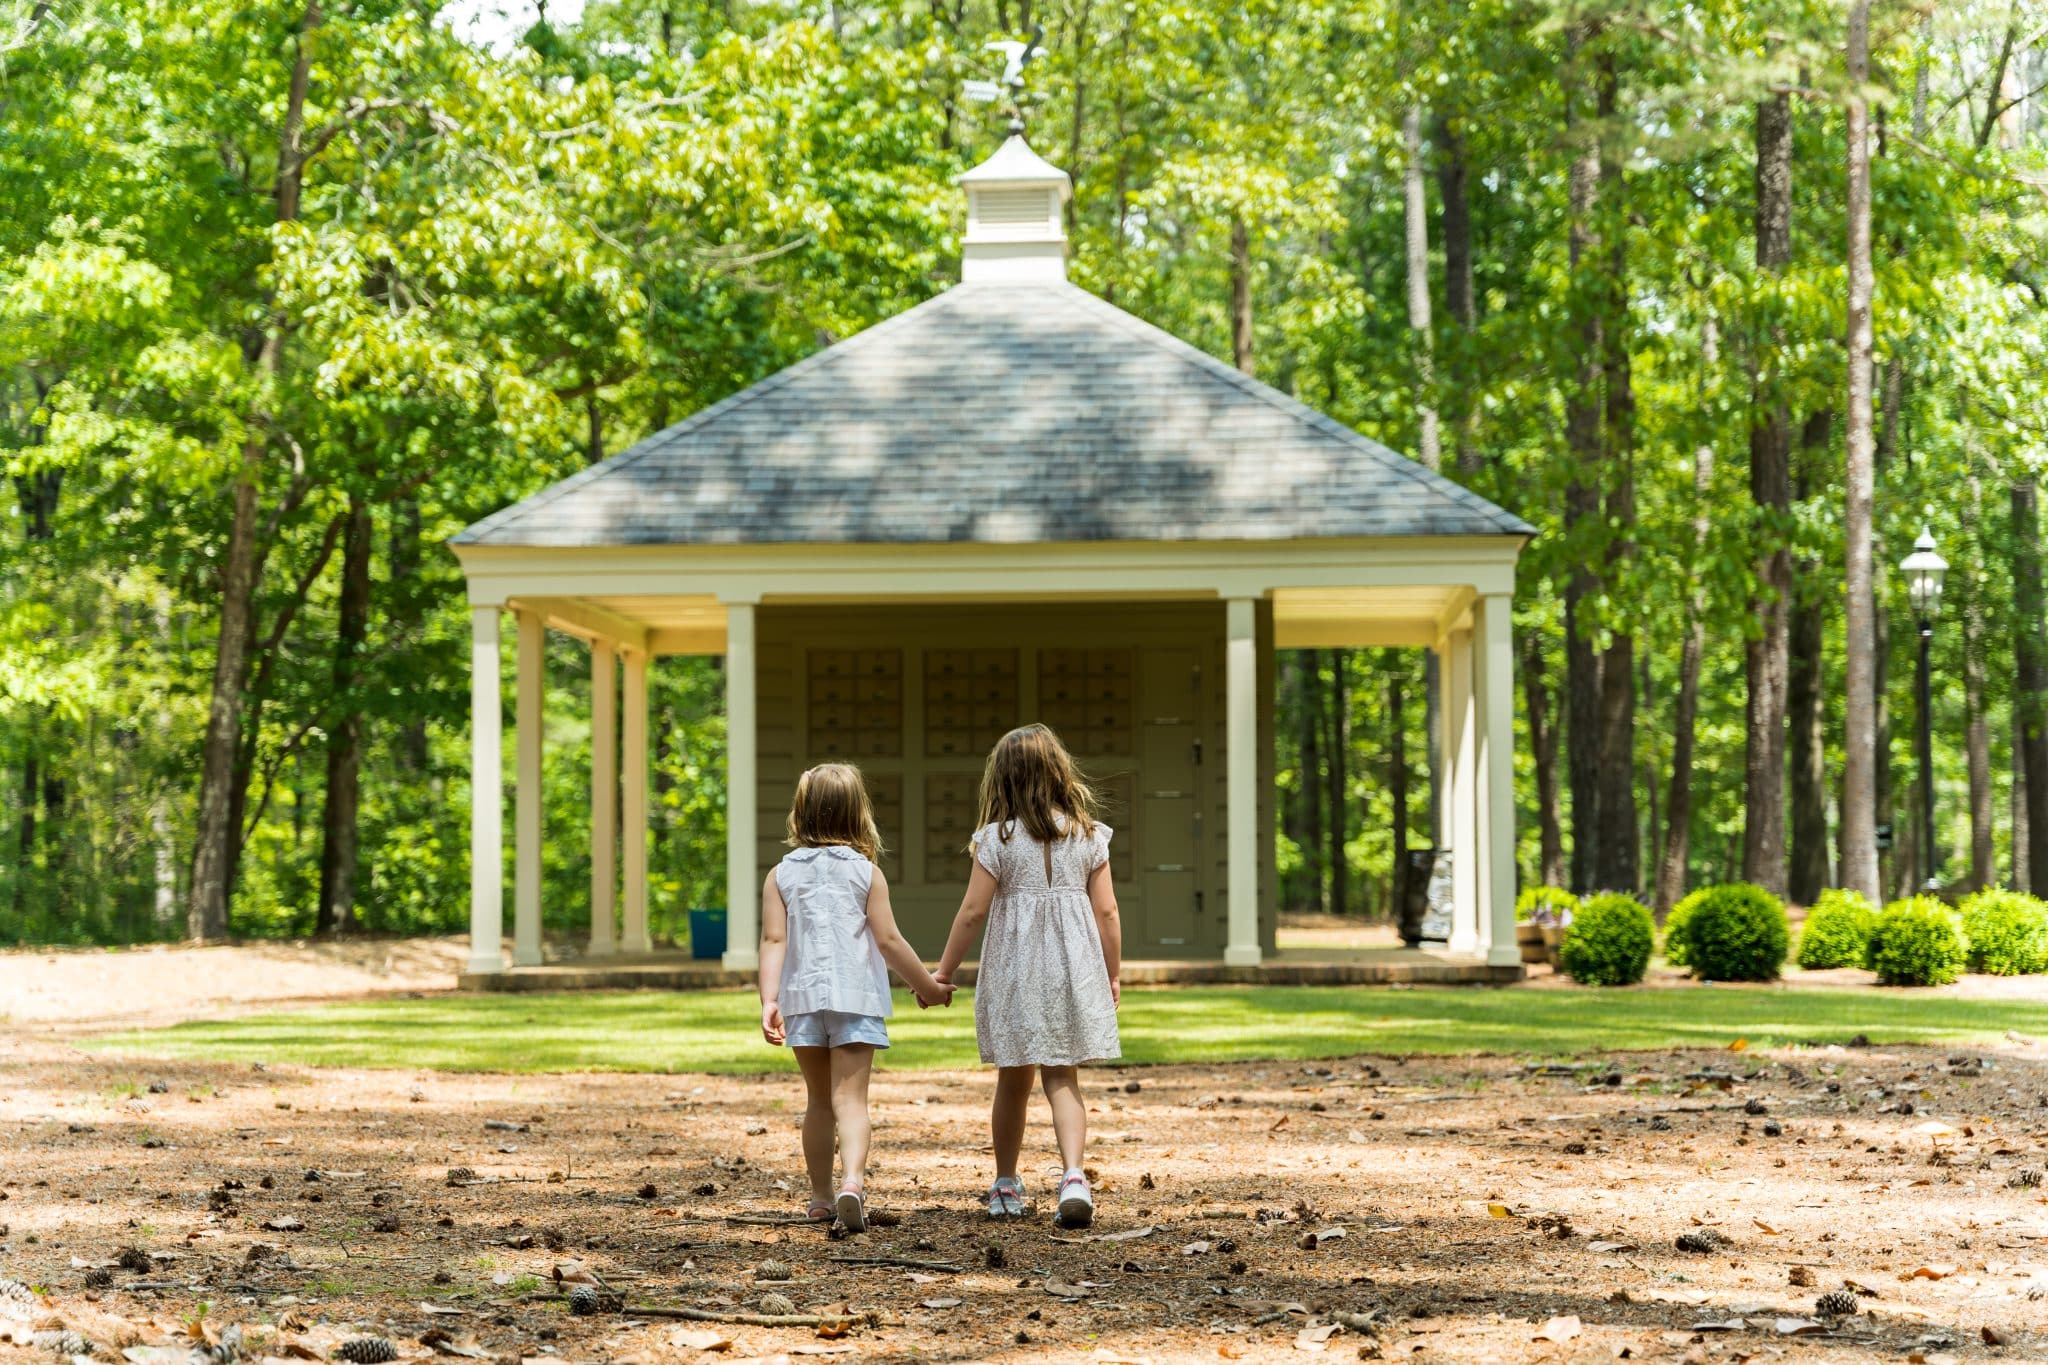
1924, 570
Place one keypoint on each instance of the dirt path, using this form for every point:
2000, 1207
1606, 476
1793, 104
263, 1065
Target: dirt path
1461, 1209
66, 990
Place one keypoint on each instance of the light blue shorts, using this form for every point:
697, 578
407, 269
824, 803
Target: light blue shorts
832, 1028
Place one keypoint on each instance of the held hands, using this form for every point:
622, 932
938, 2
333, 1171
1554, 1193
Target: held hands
772, 1027
939, 993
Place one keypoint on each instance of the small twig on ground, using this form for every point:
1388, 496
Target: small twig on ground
774, 1220
907, 1262
751, 1319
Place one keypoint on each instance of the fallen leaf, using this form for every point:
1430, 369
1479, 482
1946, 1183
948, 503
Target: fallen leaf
1739, 1045
1932, 1272
1559, 1330
1229, 1351
1060, 1289
283, 1223
439, 1310
940, 1303
1316, 1338
837, 1348
1195, 1249
1762, 1226
1797, 1327
699, 1339
1499, 1211
1610, 1246
463, 1347
1278, 1124
1129, 1235
1724, 1325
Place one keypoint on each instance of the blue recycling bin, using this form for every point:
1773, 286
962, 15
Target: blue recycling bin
707, 934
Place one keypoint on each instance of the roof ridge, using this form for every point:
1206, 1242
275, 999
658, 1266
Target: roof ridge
655, 441
1161, 339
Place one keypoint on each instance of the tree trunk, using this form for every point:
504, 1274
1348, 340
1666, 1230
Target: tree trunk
1241, 296
1583, 733
1459, 296
1619, 839
2030, 655
1859, 728
1429, 446
1339, 812
1543, 749
1977, 741
2022, 866
1765, 663
1312, 775
1397, 779
405, 566
338, 844
1805, 641
218, 836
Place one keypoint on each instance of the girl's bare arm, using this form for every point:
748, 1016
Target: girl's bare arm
981, 892
1109, 927
774, 942
896, 950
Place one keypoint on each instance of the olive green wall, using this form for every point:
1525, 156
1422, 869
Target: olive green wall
917, 695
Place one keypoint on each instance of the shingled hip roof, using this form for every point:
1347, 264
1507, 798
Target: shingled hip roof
999, 413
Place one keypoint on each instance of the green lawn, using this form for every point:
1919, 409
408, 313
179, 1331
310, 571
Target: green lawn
717, 1031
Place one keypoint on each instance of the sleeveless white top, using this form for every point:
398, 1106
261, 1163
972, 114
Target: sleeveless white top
831, 961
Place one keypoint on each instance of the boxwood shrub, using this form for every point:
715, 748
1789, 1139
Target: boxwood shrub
1609, 941
1917, 942
1736, 932
1677, 947
1837, 931
2007, 933
1558, 901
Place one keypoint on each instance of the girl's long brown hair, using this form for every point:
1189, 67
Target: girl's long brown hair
1030, 782
832, 807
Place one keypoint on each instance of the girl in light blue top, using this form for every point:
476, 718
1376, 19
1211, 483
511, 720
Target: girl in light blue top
826, 934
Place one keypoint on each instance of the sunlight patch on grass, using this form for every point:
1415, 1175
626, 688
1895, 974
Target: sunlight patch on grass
718, 1031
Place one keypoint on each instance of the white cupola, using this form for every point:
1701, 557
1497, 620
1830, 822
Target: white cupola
1016, 224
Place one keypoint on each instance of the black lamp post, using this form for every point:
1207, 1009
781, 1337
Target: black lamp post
1923, 569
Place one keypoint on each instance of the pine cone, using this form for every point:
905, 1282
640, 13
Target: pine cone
1837, 1303
64, 1343
1754, 1106
587, 1301
771, 1270
136, 1259
776, 1305
99, 1277
366, 1351
2024, 1180
460, 1175
1701, 1241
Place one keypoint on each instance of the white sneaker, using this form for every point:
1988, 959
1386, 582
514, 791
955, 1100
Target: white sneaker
1077, 1205
1006, 1197
853, 1211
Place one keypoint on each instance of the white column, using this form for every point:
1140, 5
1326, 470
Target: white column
633, 804
1461, 758
604, 796
486, 797
526, 793
1495, 688
1241, 742
742, 884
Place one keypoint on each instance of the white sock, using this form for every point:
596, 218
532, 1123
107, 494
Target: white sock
1073, 1173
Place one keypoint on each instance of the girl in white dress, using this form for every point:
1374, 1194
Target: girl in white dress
1046, 995
826, 933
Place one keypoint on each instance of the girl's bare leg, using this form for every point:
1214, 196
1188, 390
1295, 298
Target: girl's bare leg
1069, 1112
816, 1064
1007, 1114
851, 1064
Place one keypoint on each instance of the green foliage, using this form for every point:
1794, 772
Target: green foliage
2007, 932
1556, 899
1609, 941
1917, 942
1677, 927
1837, 931
1736, 932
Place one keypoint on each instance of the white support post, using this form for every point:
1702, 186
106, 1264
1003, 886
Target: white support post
633, 804
1461, 758
1495, 686
526, 821
486, 796
604, 796
742, 885
1241, 741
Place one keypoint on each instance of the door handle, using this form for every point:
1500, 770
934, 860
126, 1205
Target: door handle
1170, 867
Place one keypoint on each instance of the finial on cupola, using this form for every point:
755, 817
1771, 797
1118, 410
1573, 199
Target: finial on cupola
1016, 200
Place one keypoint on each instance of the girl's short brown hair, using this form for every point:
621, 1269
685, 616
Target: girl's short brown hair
831, 806
1031, 781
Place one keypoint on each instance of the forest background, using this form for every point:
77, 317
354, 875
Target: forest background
291, 290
